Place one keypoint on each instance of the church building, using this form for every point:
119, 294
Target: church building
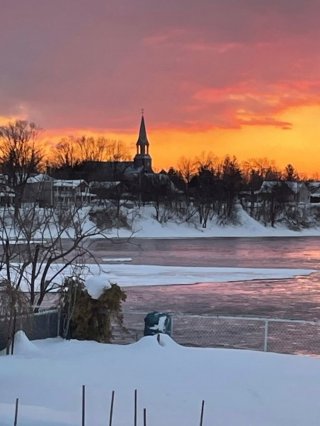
108, 171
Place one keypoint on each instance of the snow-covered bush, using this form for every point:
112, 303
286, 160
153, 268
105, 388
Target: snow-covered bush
86, 318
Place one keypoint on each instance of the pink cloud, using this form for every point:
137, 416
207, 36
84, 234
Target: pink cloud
95, 64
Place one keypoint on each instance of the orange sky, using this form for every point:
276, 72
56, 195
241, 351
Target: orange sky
230, 77
298, 145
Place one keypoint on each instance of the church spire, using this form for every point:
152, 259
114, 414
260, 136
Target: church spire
142, 159
142, 141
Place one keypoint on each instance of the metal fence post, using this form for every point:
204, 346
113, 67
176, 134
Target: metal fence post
266, 329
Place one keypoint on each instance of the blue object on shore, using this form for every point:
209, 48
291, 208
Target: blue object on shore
157, 322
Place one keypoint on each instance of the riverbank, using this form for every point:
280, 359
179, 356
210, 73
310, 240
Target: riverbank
144, 225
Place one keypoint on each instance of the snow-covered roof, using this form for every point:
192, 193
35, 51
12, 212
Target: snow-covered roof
295, 186
104, 184
68, 183
268, 186
314, 186
87, 194
131, 170
39, 178
7, 194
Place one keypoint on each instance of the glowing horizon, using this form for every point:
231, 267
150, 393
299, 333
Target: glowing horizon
167, 145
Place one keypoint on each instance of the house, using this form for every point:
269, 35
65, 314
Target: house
38, 189
7, 196
287, 191
71, 192
47, 191
314, 188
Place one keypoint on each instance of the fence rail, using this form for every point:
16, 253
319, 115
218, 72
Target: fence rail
262, 334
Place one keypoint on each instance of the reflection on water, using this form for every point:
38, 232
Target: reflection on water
288, 298
303, 252
294, 298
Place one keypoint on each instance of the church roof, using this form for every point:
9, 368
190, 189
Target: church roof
142, 140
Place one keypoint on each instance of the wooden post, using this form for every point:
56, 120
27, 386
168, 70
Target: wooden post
144, 417
16, 413
202, 411
135, 407
13, 331
83, 405
111, 409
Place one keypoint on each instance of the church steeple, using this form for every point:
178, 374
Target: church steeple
142, 142
142, 158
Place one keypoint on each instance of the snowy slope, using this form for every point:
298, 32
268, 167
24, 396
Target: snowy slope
145, 226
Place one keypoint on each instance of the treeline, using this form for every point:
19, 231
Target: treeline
207, 187
203, 187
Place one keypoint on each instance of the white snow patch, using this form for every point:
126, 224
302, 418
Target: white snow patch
139, 275
97, 277
239, 387
117, 259
22, 345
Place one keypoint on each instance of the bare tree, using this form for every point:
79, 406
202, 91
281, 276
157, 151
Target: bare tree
73, 150
42, 245
262, 167
187, 168
117, 151
66, 153
90, 148
206, 161
19, 157
12, 302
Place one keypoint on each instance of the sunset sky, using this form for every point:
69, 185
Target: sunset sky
237, 77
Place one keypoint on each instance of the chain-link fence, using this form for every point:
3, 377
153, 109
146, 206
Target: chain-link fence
40, 325
262, 334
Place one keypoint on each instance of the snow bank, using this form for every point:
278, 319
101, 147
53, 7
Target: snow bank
239, 387
22, 345
145, 226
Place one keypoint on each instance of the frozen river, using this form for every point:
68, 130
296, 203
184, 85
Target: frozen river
290, 252
288, 298
285, 298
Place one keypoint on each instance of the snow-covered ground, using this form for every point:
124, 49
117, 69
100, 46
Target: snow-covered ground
145, 226
240, 388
